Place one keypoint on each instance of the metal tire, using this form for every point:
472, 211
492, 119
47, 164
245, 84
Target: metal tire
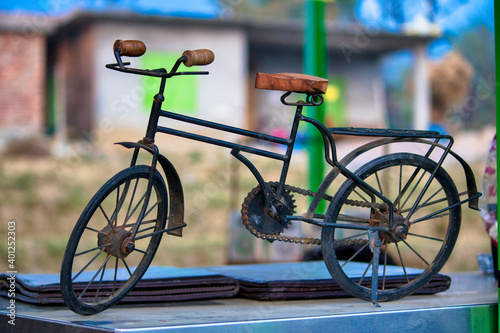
448, 227
96, 224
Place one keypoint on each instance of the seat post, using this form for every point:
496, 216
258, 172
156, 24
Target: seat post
291, 143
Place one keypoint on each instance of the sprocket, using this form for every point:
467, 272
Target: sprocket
255, 204
259, 207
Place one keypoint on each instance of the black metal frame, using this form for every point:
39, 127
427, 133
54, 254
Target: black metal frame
275, 200
237, 149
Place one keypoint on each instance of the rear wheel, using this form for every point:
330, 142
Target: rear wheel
103, 261
419, 243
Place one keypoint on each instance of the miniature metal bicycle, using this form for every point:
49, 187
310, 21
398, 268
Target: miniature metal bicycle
403, 209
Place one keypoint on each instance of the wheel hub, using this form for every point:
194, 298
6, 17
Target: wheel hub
120, 243
399, 230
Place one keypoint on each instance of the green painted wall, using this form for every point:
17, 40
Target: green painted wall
180, 92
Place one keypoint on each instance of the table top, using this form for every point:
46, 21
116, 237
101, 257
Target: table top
469, 293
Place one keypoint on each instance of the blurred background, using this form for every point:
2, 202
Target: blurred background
391, 64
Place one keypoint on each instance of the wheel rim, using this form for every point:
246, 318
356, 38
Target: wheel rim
422, 240
107, 261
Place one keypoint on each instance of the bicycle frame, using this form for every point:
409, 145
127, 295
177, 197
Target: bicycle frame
236, 149
329, 144
382, 225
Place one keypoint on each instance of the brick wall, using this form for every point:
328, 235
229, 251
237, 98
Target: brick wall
22, 83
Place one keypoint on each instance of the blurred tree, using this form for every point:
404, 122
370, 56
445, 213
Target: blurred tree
478, 109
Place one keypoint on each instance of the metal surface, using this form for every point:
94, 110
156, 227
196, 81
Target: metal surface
451, 311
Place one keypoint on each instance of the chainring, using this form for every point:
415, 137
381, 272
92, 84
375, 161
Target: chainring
269, 228
256, 210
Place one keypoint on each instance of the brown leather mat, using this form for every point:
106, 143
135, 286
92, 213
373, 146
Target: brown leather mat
310, 280
159, 284
276, 281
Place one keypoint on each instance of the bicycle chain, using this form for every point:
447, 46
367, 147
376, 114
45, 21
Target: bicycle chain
282, 238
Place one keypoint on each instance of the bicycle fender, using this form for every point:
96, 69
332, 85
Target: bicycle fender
469, 175
175, 191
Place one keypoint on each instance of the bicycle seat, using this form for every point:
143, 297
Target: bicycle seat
299, 83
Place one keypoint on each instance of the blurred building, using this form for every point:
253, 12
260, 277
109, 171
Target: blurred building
23, 68
53, 79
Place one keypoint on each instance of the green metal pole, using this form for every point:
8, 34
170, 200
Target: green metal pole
315, 62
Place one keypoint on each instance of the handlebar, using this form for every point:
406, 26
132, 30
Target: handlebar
129, 48
200, 57
136, 48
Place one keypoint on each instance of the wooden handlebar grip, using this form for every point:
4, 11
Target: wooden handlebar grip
198, 57
130, 48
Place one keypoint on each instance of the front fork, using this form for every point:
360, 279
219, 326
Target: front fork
153, 149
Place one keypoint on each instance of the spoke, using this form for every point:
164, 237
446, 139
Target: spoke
367, 201
359, 195
95, 275
119, 203
426, 205
152, 234
379, 184
88, 264
141, 251
143, 222
432, 196
106, 216
135, 208
350, 237
416, 253
116, 273
431, 218
128, 269
402, 263
399, 190
118, 206
354, 255
426, 237
93, 249
435, 214
413, 189
95, 230
149, 211
366, 271
153, 227
100, 280
131, 200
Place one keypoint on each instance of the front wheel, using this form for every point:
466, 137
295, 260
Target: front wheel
103, 261
418, 245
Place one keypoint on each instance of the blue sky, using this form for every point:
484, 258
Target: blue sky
184, 8
452, 16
